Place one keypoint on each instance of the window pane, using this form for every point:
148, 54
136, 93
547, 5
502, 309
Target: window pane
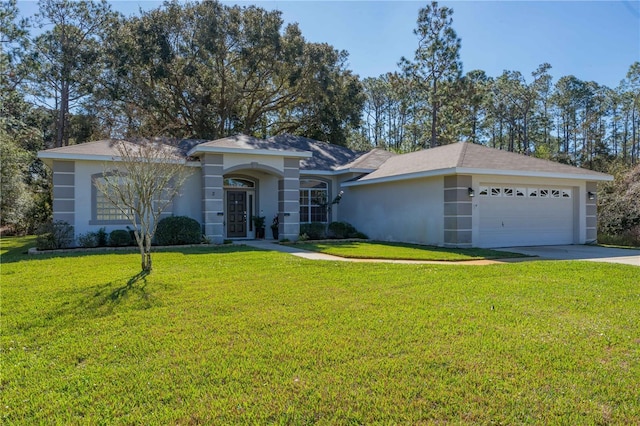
313, 197
311, 183
304, 214
105, 210
239, 183
318, 214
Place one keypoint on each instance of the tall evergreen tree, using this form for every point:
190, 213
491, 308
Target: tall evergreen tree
436, 60
66, 58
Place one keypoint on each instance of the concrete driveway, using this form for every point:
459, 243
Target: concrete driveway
581, 252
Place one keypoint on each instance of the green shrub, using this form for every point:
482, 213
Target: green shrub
90, 239
178, 230
631, 238
360, 235
344, 230
341, 230
102, 237
314, 230
54, 235
119, 238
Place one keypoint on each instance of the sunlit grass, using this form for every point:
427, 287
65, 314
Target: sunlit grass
235, 335
384, 250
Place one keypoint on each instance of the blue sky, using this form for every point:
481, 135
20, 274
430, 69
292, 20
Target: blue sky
593, 40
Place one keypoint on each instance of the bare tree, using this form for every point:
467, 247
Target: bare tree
143, 180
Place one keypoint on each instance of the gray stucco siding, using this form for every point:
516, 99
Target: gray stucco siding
458, 181
408, 211
458, 238
64, 179
64, 192
458, 209
456, 194
457, 223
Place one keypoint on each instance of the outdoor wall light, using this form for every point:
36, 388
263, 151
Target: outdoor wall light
220, 213
287, 214
472, 193
591, 195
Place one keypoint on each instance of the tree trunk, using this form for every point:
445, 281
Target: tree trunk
434, 114
144, 244
146, 262
61, 135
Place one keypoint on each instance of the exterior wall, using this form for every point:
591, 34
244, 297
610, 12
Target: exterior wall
457, 211
579, 196
189, 200
212, 197
591, 213
188, 203
64, 192
234, 160
289, 200
338, 212
408, 211
85, 198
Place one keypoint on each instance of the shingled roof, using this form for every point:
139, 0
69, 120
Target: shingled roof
101, 150
327, 156
472, 159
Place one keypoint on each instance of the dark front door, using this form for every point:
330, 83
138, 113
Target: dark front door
236, 214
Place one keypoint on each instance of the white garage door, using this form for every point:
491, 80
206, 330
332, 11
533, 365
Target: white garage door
525, 216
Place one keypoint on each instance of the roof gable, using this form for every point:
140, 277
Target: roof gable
472, 159
102, 150
243, 144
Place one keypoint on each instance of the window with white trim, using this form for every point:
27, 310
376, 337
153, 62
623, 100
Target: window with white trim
104, 210
236, 182
313, 200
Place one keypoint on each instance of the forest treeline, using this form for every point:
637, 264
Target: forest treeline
78, 71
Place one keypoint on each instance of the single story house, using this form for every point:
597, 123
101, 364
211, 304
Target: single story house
459, 195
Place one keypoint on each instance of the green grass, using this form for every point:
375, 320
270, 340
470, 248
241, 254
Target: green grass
403, 251
233, 335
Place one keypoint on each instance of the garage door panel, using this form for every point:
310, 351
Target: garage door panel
517, 221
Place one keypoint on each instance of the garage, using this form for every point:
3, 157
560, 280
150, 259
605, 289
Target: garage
525, 215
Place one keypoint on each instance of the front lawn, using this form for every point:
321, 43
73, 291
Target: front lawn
234, 335
403, 251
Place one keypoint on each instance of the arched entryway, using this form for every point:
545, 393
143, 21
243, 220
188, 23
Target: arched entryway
240, 205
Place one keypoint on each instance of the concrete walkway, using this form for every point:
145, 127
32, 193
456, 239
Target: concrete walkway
581, 252
571, 252
312, 255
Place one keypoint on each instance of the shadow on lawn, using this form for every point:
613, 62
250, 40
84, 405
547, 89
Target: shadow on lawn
96, 301
18, 253
101, 300
120, 292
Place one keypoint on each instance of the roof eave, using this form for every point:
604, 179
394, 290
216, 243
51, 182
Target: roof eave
471, 171
49, 157
268, 152
44, 155
338, 172
395, 178
592, 176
